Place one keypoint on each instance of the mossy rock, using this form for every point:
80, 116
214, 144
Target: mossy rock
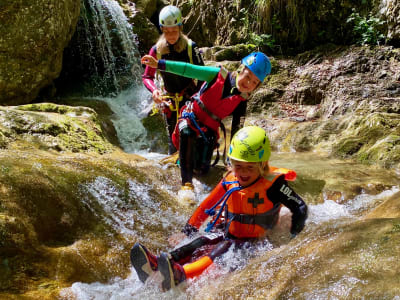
156, 132
54, 127
349, 146
384, 152
372, 139
236, 52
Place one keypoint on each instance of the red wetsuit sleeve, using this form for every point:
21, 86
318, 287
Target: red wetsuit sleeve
199, 216
149, 74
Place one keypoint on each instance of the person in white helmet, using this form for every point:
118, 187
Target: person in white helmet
175, 90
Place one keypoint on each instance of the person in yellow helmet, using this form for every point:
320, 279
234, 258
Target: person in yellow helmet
250, 196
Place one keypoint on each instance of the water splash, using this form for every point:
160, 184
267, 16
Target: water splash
116, 211
364, 202
131, 212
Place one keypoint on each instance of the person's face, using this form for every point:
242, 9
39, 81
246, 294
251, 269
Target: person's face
246, 172
247, 81
171, 34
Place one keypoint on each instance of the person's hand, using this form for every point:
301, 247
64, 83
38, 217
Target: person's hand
150, 61
157, 96
176, 238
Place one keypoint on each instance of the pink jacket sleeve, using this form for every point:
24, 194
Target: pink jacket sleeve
149, 74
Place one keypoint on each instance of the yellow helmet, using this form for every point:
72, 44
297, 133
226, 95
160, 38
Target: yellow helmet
250, 144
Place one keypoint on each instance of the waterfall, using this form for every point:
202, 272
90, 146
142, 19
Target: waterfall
102, 62
108, 46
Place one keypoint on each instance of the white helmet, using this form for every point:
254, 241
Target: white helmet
170, 16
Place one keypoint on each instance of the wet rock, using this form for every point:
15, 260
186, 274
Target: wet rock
33, 36
48, 126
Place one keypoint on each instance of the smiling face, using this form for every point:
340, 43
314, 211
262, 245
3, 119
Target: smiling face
247, 81
246, 172
171, 34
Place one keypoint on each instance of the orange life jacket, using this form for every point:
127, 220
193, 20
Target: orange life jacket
250, 212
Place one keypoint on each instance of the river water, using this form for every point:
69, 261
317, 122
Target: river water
339, 194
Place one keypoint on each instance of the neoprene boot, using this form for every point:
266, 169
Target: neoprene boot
186, 195
172, 272
143, 261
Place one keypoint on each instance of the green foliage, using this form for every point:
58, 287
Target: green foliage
366, 30
262, 40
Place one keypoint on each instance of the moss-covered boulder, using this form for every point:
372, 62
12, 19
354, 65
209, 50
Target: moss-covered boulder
373, 140
156, 132
74, 217
49, 126
33, 36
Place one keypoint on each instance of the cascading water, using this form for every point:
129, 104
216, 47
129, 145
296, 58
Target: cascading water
327, 215
127, 103
102, 62
103, 52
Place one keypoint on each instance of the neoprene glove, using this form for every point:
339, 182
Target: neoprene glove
189, 229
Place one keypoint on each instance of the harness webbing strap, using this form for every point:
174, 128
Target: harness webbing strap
266, 220
192, 118
205, 109
223, 200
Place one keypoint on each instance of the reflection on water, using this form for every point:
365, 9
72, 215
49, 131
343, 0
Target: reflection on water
327, 219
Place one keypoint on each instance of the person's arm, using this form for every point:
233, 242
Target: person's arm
197, 60
149, 74
204, 73
281, 192
181, 68
238, 117
199, 216
196, 55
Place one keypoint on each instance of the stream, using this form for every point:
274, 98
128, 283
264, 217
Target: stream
340, 194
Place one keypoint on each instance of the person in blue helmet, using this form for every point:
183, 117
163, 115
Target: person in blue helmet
222, 94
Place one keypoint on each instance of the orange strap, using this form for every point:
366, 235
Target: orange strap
197, 267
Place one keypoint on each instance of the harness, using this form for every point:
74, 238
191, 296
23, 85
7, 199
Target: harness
171, 101
189, 115
223, 200
172, 104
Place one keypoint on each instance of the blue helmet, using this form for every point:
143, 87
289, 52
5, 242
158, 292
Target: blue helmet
258, 63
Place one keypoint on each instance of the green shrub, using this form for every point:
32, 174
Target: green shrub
262, 41
366, 30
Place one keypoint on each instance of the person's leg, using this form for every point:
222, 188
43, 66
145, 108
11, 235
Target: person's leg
196, 268
204, 152
170, 120
183, 254
187, 139
174, 273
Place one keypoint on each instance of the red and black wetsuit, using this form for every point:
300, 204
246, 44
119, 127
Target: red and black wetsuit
197, 153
